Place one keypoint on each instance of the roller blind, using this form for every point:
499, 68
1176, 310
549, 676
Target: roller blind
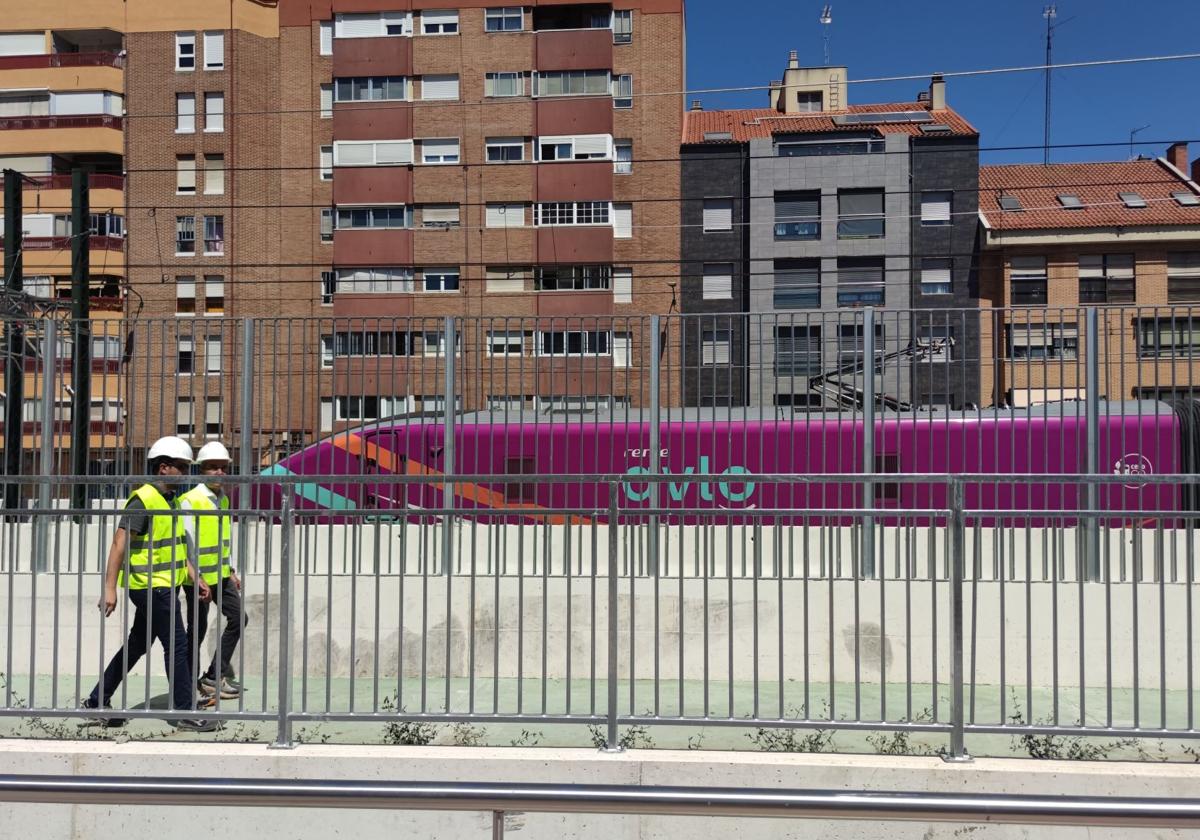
718, 213
439, 87
622, 218
622, 282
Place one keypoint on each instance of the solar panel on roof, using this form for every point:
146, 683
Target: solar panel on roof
883, 117
1069, 201
1132, 199
935, 128
1186, 199
718, 135
1010, 203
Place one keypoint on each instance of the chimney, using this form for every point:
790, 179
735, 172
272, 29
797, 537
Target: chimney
774, 90
1195, 169
696, 106
793, 60
937, 92
1177, 156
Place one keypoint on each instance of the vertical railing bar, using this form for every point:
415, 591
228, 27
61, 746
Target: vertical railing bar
283, 731
612, 741
958, 750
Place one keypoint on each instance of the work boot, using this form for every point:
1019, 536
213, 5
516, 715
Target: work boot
197, 725
209, 685
111, 723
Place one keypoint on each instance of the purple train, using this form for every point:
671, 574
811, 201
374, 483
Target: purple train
568, 452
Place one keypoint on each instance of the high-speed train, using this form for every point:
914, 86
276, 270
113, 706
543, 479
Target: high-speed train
714, 463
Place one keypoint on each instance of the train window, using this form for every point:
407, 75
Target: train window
887, 490
520, 491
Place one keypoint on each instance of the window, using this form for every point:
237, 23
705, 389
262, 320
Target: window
808, 101
622, 26
557, 278
185, 50
370, 89
326, 224
842, 145
325, 37
622, 350
372, 152
574, 147
505, 149
373, 217
935, 208
506, 342
798, 350
505, 19
717, 283
797, 284
325, 162
439, 21
327, 351
504, 215
1070, 201
939, 338
326, 96
368, 407
328, 287
373, 343
214, 111
372, 25
214, 50
574, 343
38, 286
507, 278
439, 216
185, 113
851, 344
935, 276
1010, 203
214, 294
1107, 278
860, 214
439, 87
623, 91
714, 347
1043, 341
185, 295
214, 234
622, 219
623, 157
433, 343
1186, 199
185, 174
860, 281
375, 280
622, 283
504, 84
214, 174
1132, 200
1027, 276
440, 279
212, 355
184, 355
571, 83
185, 235
718, 214
439, 151
798, 215
552, 213
184, 416
1183, 276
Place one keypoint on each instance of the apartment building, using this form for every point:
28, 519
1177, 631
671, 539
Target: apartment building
61, 104
802, 213
1123, 236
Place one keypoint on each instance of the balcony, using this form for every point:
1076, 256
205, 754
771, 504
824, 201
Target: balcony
62, 243
77, 121
62, 181
69, 59
574, 49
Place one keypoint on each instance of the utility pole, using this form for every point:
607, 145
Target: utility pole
14, 330
81, 373
1049, 13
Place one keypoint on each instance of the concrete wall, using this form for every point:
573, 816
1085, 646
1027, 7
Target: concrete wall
654, 768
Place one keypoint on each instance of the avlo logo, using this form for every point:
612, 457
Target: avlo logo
736, 491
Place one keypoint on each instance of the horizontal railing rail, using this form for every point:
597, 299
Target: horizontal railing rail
94, 58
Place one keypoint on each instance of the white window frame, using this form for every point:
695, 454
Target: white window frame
507, 279
573, 147
185, 289
325, 100
185, 123
214, 43
490, 80
185, 40
622, 165
491, 143
372, 25
588, 338
178, 238
341, 147
622, 284
622, 349
504, 214
185, 415
325, 37
441, 216
440, 80
185, 174
622, 91
388, 280
717, 282
406, 214
578, 209
444, 274
604, 90
507, 340
443, 158
442, 19
622, 219
221, 222
323, 226
716, 350
212, 355
622, 34
328, 288
375, 82
210, 182
936, 207
937, 277
325, 162
504, 14
714, 212
214, 120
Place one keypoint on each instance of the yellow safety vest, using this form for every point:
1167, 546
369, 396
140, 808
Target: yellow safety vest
213, 535
157, 559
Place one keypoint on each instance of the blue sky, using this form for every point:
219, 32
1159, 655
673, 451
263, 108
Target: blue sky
747, 43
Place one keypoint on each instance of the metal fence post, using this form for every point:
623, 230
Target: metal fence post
655, 442
49, 389
868, 489
958, 750
612, 741
246, 440
448, 408
283, 731
1090, 565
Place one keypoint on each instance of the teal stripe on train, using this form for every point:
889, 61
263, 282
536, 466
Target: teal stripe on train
314, 492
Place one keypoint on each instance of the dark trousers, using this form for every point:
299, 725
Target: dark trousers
226, 596
156, 616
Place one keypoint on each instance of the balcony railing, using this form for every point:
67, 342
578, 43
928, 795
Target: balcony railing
82, 121
58, 243
62, 181
77, 59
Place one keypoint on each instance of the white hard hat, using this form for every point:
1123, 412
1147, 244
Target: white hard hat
170, 447
212, 451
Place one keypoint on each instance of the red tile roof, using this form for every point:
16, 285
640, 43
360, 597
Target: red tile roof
762, 123
1037, 187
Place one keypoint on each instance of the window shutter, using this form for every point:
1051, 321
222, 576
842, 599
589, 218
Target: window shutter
797, 208
22, 43
718, 214
214, 50
439, 147
185, 175
935, 207
393, 151
935, 276
353, 154
185, 287
622, 280
1183, 264
326, 31
621, 350
439, 16
718, 281
501, 280
439, 87
214, 287
214, 174
622, 216
872, 274
214, 112
716, 348
1027, 268
326, 101
440, 214
326, 154
358, 26
594, 144
861, 203
505, 215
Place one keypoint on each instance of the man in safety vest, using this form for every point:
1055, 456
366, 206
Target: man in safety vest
209, 539
148, 557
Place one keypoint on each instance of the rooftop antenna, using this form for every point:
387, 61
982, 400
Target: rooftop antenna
1132, 133
826, 21
1049, 13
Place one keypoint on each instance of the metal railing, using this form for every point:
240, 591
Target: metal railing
47, 121
65, 59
